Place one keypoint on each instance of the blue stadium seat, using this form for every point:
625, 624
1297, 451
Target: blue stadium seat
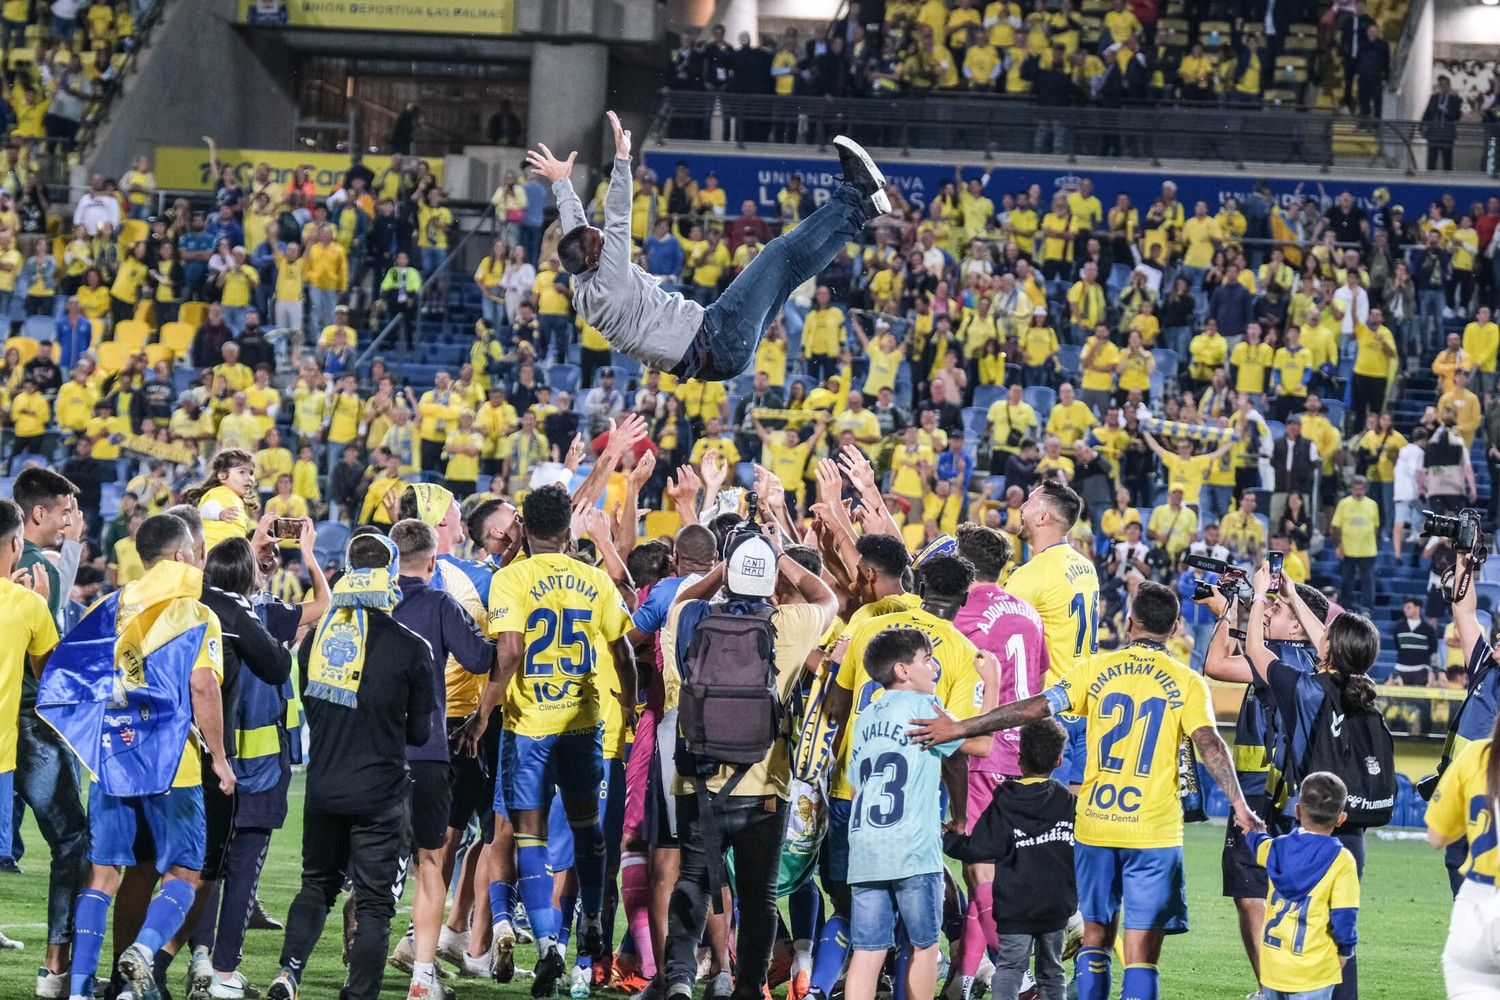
110, 495
1068, 356
974, 419
1166, 361
742, 385
1277, 429
986, 396
733, 401
19, 462
564, 378
1041, 398
808, 382
332, 535
1335, 413
39, 328
744, 474
184, 379
1487, 594
1158, 384
994, 487
626, 367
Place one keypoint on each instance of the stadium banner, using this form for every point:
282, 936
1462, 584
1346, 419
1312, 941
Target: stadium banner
186, 168
759, 177
443, 17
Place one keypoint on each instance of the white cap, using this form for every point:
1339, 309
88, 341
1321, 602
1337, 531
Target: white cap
750, 567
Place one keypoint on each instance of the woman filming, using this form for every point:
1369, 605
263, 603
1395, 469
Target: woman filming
1347, 647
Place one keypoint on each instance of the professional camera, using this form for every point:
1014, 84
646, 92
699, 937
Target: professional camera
1469, 540
1233, 583
1466, 530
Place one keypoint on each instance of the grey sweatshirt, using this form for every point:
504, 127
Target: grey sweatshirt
624, 303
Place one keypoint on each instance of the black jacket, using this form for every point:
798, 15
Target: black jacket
1053, 86
1299, 478
1027, 833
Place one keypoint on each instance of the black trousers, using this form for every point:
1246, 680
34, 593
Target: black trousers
369, 850
431, 455
1440, 155
754, 828
1368, 396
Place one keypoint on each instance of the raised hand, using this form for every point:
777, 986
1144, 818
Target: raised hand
625, 435
622, 136
575, 454
544, 164
644, 466
714, 471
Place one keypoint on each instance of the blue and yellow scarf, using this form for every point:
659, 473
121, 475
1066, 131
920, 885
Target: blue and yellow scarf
336, 663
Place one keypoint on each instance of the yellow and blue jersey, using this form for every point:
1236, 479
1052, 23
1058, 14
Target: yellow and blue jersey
959, 688
1459, 809
24, 617
1138, 702
1064, 588
1312, 910
562, 607
468, 583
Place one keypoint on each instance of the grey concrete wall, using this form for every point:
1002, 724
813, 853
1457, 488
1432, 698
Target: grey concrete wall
199, 76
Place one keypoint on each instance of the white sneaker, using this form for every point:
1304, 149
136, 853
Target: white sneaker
51, 985
404, 955
982, 977
861, 172
470, 967
1259, 994
451, 945
200, 976
233, 988
10, 943
578, 984
136, 967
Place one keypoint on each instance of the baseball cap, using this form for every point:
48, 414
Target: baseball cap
1177, 488
750, 566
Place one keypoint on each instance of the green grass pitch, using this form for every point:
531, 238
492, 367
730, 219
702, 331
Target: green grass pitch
1403, 922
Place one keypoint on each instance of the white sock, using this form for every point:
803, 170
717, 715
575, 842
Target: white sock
545, 945
802, 955
968, 982
423, 972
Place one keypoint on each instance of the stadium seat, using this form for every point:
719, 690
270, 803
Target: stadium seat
1335, 412
994, 487
26, 345
744, 474
1166, 361
1068, 356
26, 458
183, 379
1041, 398
1487, 594
110, 495
986, 396
39, 328
194, 314
974, 418
156, 353
177, 337
564, 378
100, 327
113, 355
132, 334
1158, 383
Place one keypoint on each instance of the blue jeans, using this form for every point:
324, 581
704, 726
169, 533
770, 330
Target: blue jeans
554, 333
1357, 582
322, 302
432, 260
1202, 634
1213, 503
1430, 305
733, 325
47, 782
874, 907
1383, 494
234, 318
1178, 338
494, 312
1326, 993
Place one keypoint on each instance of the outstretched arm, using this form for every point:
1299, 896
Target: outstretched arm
559, 174
614, 261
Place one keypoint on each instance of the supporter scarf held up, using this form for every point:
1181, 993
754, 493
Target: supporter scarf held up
337, 659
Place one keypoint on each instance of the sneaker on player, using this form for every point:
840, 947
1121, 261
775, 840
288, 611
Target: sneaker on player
137, 968
631, 983
861, 173
503, 953
1072, 937
283, 987
982, 977
578, 983
51, 985
592, 943
799, 986
549, 969
452, 945
1259, 994
470, 967
404, 954
233, 988
428, 989
200, 975
720, 987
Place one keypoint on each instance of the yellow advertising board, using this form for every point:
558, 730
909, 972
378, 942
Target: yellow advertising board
448, 17
186, 168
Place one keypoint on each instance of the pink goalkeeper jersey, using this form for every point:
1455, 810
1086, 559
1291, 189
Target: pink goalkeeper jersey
1012, 630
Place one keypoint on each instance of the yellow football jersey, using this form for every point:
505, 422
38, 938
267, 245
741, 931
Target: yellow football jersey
1138, 703
1298, 951
563, 608
1457, 809
959, 687
1064, 588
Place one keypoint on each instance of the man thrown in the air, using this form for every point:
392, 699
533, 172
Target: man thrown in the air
662, 329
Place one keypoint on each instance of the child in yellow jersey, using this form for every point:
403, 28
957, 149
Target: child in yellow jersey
1312, 905
305, 477
285, 503
227, 499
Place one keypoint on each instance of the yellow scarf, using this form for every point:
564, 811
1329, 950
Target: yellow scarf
433, 502
337, 661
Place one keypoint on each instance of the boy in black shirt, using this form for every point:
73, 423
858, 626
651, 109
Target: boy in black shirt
363, 710
1027, 834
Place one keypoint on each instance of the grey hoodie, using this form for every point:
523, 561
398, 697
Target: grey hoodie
624, 303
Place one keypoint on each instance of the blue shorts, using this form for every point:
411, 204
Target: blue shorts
1075, 751
174, 818
836, 844
531, 766
1148, 881
612, 806
7, 801
874, 907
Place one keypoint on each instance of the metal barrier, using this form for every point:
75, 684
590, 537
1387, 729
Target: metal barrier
1011, 124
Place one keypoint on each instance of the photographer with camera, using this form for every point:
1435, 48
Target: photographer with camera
1328, 717
1257, 733
1476, 716
733, 758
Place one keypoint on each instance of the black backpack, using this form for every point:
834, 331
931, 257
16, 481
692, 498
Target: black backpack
1358, 748
729, 711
